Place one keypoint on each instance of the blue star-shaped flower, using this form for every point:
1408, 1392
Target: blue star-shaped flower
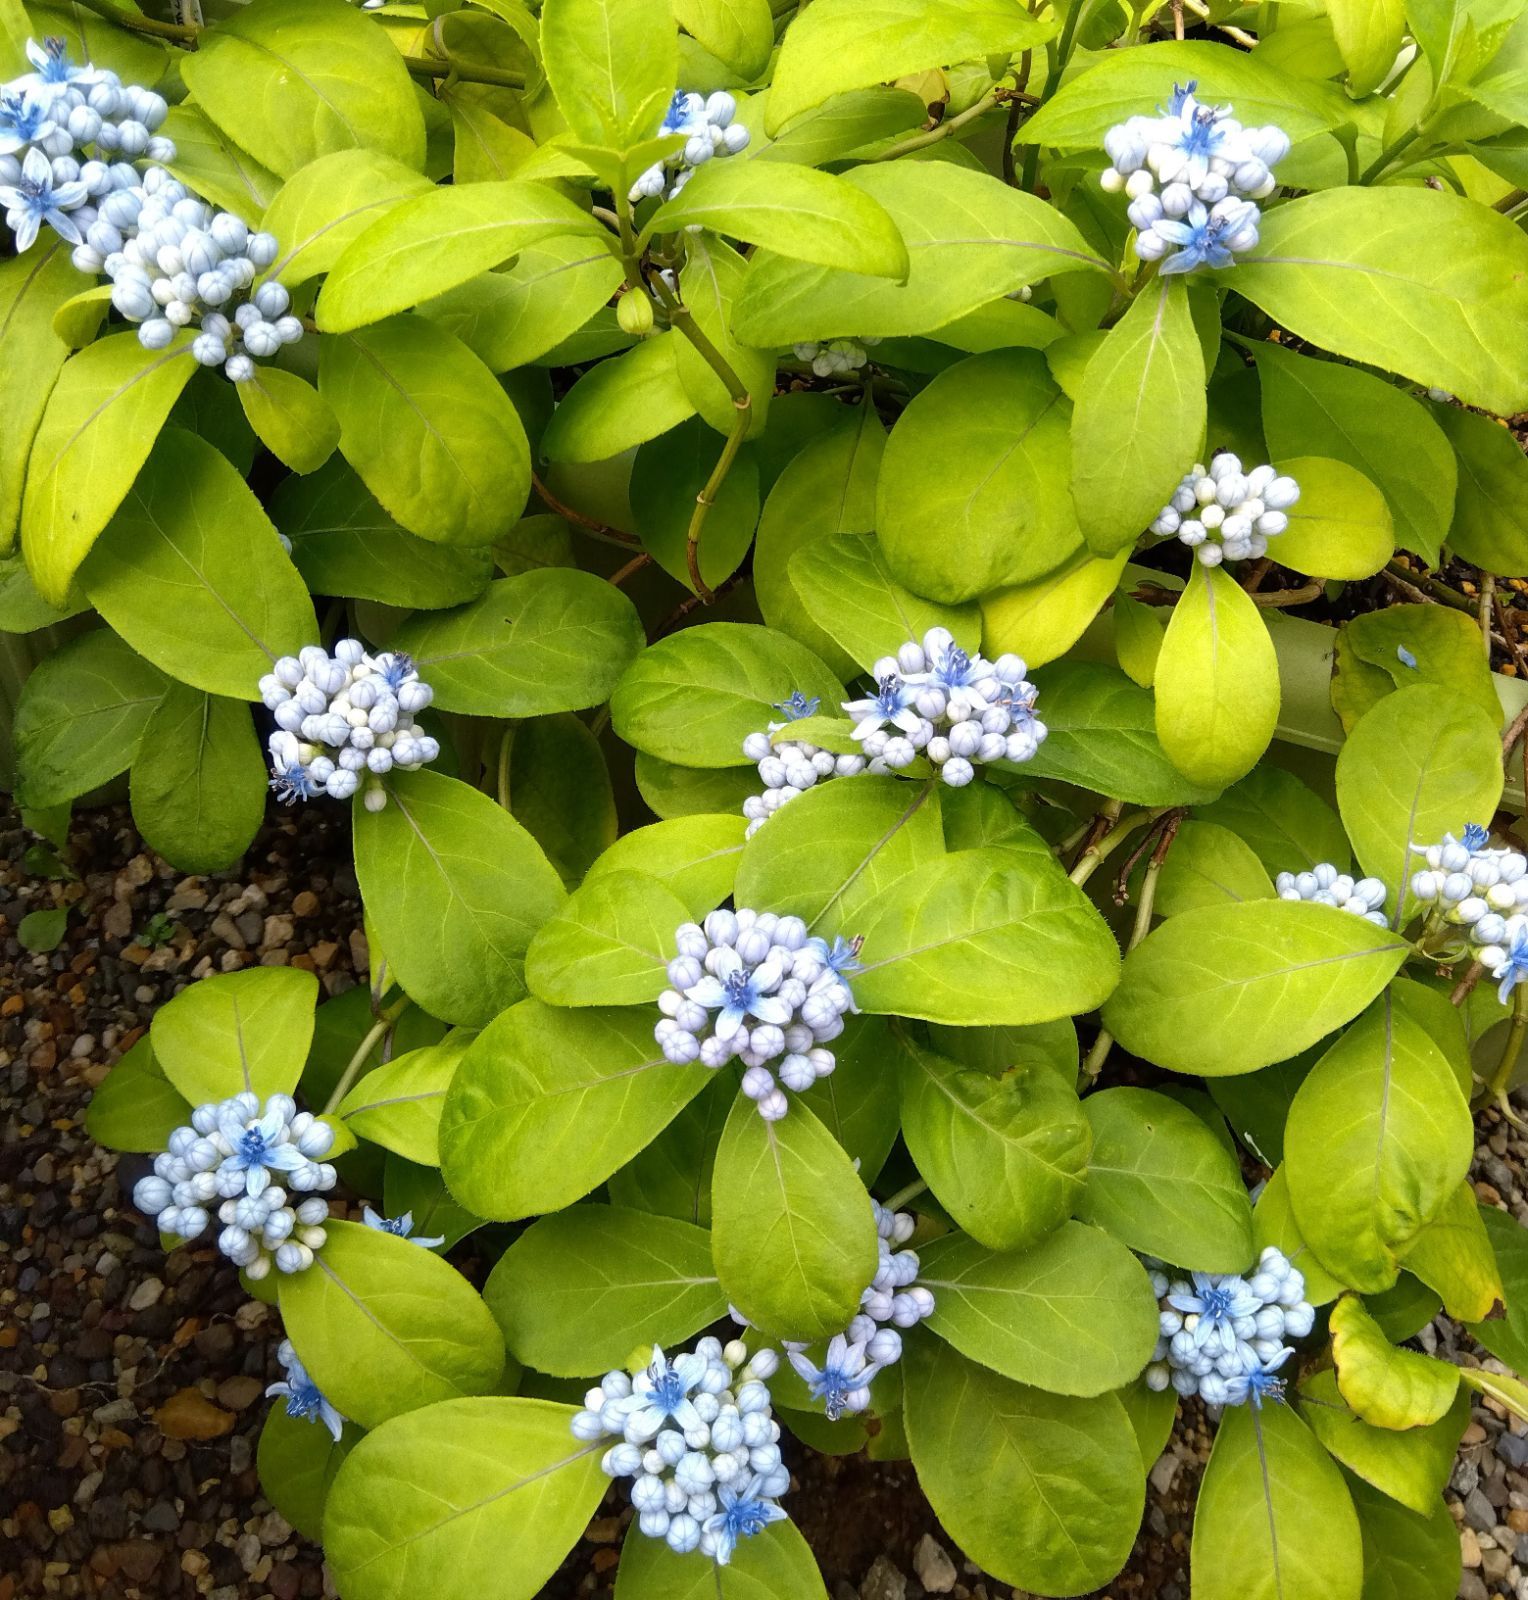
1514, 967
740, 992
796, 706
1261, 1383
290, 778
304, 1401
402, 1226
1474, 837
52, 71
954, 668
24, 120
259, 1148
394, 669
37, 200
744, 1513
1195, 132
686, 113
1200, 239
662, 1391
892, 702
1219, 1301
843, 1380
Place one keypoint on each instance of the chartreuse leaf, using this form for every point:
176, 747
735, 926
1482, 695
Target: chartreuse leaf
1340, 527
135, 1107
671, 1177
776, 1564
740, 33
612, 66
32, 288
697, 857
608, 945
455, 888
1228, 989
677, 791
1207, 866
430, 431
855, 1101
291, 418
850, 45
297, 1459
1406, 1556
709, 284
293, 80
214, 168
576, 1289
1384, 1385
969, 241
192, 574
981, 454
199, 780
322, 208
1273, 1223
1490, 526
1411, 1465
1417, 765
1508, 1392
80, 716
237, 1031
1006, 1156
432, 242
832, 863
508, 1493
622, 402
550, 640
793, 1235
1402, 1312
1044, 1490
398, 1104
1507, 1336
1101, 736
1051, 1046
1072, 1315
985, 938
1369, 34
1378, 1139
1217, 681
1326, 409
1140, 418
1043, 619
1162, 1182
849, 592
792, 210
549, 1102
1464, 1258
1425, 284
1274, 1518
696, 695
1286, 822
667, 476
343, 542
385, 1327
102, 418
559, 789
1138, 630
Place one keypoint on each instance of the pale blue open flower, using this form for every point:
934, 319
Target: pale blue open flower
892, 702
1474, 837
259, 1148
740, 992
52, 71
796, 705
954, 668
1261, 1383
744, 1513
1195, 133
402, 1227
24, 120
36, 200
304, 1401
1200, 237
1513, 968
843, 1380
662, 1390
1219, 1301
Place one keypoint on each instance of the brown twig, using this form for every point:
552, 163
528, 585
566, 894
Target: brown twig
636, 564
578, 519
1483, 611
1163, 831
1177, 19
1291, 597
1465, 984
691, 603
1255, 575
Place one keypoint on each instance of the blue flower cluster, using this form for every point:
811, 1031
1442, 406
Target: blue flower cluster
830, 357
1225, 514
1328, 887
1223, 1336
1212, 171
69, 136
304, 1401
858, 1355
341, 717
777, 994
710, 131
790, 767
236, 1151
698, 1439
1484, 892
955, 709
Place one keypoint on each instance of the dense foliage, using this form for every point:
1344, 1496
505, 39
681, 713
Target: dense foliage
392, 400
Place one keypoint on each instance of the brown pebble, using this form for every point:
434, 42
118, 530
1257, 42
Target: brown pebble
305, 904
239, 1393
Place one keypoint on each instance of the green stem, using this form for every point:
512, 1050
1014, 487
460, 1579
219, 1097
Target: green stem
502, 787
1431, 585
382, 1026
1100, 850
182, 33
449, 67
908, 1191
1497, 1087
918, 141
1387, 156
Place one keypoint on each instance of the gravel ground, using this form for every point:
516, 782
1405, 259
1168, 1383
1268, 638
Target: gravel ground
131, 1381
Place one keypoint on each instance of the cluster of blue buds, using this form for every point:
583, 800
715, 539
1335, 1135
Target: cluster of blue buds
1223, 1336
1225, 514
342, 717
698, 1439
790, 766
235, 1152
1468, 885
1212, 171
710, 131
871, 1343
1328, 887
304, 1400
758, 987
935, 700
69, 136
829, 357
